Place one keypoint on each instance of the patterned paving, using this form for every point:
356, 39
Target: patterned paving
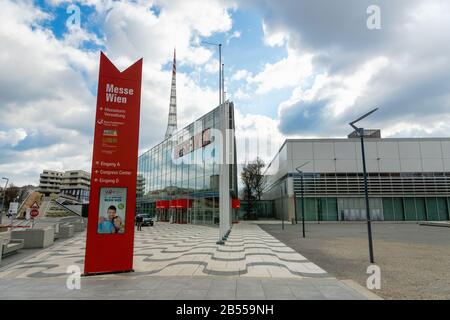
184, 250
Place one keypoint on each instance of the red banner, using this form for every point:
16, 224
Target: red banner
112, 200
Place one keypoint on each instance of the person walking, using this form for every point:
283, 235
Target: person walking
139, 220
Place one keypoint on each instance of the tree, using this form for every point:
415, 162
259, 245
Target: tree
11, 193
258, 177
247, 193
253, 180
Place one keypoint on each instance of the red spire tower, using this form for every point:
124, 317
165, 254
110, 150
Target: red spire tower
172, 123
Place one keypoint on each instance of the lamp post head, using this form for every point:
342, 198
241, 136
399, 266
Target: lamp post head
360, 131
211, 43
301, 166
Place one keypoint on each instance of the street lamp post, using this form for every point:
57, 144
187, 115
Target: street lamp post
220, 68
302, 191
360, 132
281, 206
223, 82
3, 200
224, 200
295, 206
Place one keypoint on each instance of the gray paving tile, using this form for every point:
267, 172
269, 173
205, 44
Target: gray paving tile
224, 284
155, 243
163, 295
250, 294
199, 283
336, 292
189, 294
278, 292
307, 293
220, 294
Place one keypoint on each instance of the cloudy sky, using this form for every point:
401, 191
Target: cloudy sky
294, 68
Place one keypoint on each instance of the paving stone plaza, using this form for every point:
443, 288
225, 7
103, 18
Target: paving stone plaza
173, 261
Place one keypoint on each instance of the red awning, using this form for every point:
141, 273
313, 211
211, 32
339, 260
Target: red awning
235, 203
162, 204
173, 203
180, 203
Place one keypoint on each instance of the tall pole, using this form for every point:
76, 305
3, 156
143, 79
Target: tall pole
3, 200
295, 207
303, 204
302, 191
220, 74
223, 83
220, 67
224, 190
360, 132
366, 191
281, 206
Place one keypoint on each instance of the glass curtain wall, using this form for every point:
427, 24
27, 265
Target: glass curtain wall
185, 166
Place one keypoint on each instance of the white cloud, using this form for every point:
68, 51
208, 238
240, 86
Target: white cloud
285, 73
274, 38
235, 35
212, 66
241, 74
262, 136
47, 84
133, 30
240, 94
402, 68
76, 37
340, 91
12, 136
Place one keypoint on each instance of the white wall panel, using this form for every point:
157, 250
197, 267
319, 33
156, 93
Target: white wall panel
409, 149
345, 165
410, 165
324, 166
388, 150
302, 150
323, 150
370, 149
372, 165
389, 165
446, 165
431, 149
433, 165
345, 150
445, 149
306, 168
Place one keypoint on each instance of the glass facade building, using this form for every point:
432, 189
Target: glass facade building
178, 179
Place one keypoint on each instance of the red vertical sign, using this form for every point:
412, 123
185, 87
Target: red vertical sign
112, 200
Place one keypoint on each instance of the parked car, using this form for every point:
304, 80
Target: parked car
147, 220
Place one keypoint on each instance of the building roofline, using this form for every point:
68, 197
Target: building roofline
352, 140
366, 139
185, 127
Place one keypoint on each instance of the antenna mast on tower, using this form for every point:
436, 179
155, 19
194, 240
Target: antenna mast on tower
172, 123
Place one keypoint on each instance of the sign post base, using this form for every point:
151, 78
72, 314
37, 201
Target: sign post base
91, 274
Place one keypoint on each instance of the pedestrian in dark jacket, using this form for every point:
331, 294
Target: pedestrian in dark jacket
139, 220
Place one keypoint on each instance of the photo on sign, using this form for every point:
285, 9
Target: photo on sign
112, 210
